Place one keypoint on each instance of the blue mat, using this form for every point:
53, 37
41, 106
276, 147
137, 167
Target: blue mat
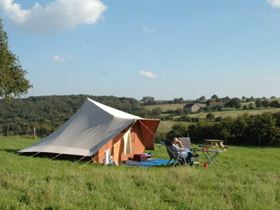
147, 163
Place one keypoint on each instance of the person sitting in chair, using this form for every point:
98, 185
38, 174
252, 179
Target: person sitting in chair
183, 152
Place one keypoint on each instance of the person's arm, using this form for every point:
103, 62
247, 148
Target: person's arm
179, 143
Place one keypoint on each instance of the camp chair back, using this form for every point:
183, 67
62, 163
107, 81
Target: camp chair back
186, 141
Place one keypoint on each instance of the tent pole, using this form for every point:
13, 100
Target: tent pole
56, 156
35, 154
80, 159
85, 163
172, 129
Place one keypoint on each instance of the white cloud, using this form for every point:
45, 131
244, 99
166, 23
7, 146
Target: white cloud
148, 74
58, 59
57, 15
148, 29
274, 3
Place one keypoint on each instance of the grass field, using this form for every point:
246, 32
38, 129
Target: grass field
165, 126
243, 178
235, 113
165, 107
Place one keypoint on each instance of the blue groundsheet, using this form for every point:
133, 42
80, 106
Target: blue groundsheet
148, 163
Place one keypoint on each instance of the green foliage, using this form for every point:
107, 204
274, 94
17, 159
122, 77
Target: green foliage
265, 103
243, 130
252, 105
258, 102
215, 96
155, 113
178, 100
12, 76
177, 130
201, 99
210, 116
234, 102
148, 100
274, 103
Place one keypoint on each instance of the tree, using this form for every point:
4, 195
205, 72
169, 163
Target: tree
275, 104
178, 100
226, 99
148, 100
201, 99
156, 112
177, 130
258, 102
215, 96
12, 76
234, 102
265, 103
210, 116
252, 105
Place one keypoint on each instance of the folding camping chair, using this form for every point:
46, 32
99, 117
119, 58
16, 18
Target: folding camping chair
175, 156
186, 141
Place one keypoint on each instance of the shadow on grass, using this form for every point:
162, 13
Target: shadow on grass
73, 158
81, 159
54, 156
14, 151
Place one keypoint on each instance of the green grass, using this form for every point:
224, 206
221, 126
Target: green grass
243, 178
165, 126
235, 113
165, 107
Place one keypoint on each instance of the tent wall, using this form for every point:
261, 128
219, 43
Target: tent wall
116, 147
142, 137
148, 129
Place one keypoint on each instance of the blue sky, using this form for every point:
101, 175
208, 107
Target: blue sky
160, 48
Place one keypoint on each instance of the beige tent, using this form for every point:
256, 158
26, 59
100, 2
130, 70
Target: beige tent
97, 130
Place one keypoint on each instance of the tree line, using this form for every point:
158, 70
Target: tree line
247, 129
46, 113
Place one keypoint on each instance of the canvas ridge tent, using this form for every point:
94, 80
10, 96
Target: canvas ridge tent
95, 130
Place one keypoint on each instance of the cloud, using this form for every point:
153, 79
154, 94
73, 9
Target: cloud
274, 3
58, 59
148, 74
148, 29
61, 59
57, 15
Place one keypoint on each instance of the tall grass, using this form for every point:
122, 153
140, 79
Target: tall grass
243, 178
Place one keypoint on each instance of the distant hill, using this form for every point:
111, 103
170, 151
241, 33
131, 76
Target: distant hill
46, 113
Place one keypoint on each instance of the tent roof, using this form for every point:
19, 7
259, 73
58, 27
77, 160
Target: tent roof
92, 126
114, 112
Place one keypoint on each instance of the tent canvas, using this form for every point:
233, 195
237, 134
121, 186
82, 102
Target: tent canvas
95, 128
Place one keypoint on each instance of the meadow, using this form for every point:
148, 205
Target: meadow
242, 178
236, 113
166, 126
165, 107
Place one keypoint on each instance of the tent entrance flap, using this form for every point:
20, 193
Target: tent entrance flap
127, 142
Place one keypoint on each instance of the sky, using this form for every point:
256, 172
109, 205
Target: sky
160, 48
